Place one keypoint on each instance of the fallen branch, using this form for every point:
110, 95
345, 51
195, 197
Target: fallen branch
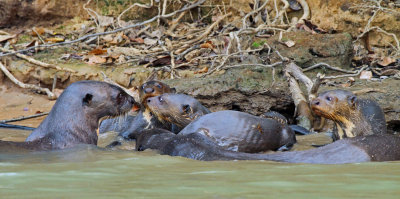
110, 32
24, 117
303, 112
50, 95
348, 75
297, 73
328, 66
36, 62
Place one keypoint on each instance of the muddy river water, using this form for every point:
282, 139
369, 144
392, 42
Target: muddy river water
92, 172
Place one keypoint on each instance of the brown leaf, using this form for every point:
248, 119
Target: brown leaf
39, 31
386, 61
54, 39
97, 51
6, 37
96, 60
204, 70
207, 44
137, 40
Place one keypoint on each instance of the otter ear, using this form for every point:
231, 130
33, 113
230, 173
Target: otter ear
173, 90
352, 101
186, 108
87, 99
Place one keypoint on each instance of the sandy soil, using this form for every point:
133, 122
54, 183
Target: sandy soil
16, 102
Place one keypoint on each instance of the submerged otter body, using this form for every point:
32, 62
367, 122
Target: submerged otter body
75, 116
352, 116
238, 131
129, 127
196, 146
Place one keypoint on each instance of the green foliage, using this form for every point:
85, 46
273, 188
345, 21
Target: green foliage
257, 44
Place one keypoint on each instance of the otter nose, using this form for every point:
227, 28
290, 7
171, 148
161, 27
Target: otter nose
315, 102
149, 90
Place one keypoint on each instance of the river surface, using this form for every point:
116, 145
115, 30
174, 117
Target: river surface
92, 172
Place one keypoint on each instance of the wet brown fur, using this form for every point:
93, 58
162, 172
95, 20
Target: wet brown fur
352, 116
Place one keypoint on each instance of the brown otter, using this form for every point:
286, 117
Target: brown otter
129, 126
352, 116
383, 147
233, 130
75, 116
178, 109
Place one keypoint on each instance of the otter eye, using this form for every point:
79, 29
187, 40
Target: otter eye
328, 98
120, 97
186, 108
159, 86
161, 99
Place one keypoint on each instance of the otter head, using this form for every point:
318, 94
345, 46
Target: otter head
178, 109
153, 88
75, 116
337, 105
95, 100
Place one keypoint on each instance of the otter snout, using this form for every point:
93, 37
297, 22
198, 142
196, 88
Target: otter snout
315, 102
148, 90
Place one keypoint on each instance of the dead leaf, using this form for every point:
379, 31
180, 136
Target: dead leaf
204, 70
366, 75
97, 51
39, 31
54, 39
207, 44
6, 37
108, 38
386, 61
149, 42
96, 60
137, 40
289, 43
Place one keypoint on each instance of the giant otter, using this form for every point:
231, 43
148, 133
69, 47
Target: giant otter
131, 125
383, 147
232, 130
178, 109
352, 116
75, 116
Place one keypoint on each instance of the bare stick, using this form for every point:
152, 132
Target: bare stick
348, 75
36, 62
24, 117
328, 66
50, 95
187, 7
297, 73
